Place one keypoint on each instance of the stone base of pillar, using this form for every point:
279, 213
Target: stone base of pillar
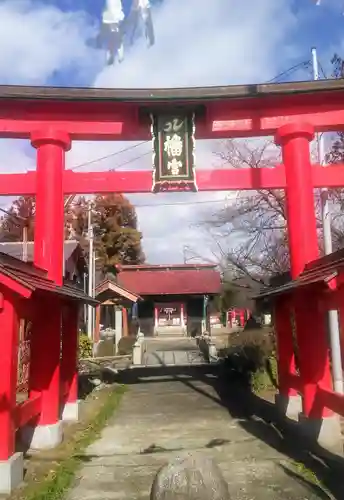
289, 406
326, 432
11, 473
70, 412
43, 437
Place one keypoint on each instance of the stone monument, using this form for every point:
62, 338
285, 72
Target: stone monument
190, 477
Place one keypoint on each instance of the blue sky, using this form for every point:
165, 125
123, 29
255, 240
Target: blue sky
198, 42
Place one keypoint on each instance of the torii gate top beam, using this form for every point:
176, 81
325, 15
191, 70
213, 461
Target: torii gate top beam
122, 114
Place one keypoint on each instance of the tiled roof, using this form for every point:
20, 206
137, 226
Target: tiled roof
35, 280
108, 285
319, 271
170, 280
15, 249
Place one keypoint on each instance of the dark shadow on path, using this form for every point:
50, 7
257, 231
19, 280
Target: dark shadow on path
257, 416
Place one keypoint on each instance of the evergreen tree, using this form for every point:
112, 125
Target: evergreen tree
22, 212
116, 237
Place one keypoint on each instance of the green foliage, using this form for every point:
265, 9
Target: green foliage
116, 237
56, 484
251, 354
85, 346
265, 377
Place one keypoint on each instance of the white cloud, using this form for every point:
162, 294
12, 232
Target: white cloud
208, 42
198, 42
37, 40
227, 42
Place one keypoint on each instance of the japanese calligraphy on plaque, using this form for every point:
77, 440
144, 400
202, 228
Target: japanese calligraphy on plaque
173, 152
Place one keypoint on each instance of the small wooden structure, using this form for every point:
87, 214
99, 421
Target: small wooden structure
112, 310
25, 292
300, 317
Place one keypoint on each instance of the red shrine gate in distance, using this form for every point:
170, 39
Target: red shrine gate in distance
174, 118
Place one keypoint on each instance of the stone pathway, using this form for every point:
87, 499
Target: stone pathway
171, 352
159, 417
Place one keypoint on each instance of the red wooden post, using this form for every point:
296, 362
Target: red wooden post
69, 362
11, 463
51, 145
44, 378
97, 325
302, 232
303, 244
285, 349
242, 317
49, 227
9, 327
313, 353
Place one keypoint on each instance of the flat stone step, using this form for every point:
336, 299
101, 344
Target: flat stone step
172, 358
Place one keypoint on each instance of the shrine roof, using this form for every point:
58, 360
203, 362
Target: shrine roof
107, 285
318, 272
151, 95
177, 279
32, 279
15, 249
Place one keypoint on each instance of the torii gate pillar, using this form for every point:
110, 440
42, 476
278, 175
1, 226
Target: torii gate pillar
313, 352
51, 146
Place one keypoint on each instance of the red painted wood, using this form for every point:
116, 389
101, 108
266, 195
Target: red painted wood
8, 381
314, 356
303, 245
329, 399
27, 411
302, 231
256, 123
69, 366
295, 382
44, 378
285, 349
140, 181
111, 120
15, 287
49, 229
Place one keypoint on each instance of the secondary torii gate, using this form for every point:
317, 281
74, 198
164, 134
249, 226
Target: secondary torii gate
53, 117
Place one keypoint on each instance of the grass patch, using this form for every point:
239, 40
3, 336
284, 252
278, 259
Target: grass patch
61, 474
306, 473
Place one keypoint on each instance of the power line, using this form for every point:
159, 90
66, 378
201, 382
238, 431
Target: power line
116, 153
291, 70
199, 202
322, 70
130, 161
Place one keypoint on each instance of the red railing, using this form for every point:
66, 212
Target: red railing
331, 400
26, 411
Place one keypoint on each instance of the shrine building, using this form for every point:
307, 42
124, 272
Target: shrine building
174, 298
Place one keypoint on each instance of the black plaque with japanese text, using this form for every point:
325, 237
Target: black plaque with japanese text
173, 152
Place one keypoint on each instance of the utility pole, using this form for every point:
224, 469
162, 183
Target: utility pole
333, 320
24, 223
25, 242
90, 273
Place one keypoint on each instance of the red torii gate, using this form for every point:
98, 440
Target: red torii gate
53, 117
